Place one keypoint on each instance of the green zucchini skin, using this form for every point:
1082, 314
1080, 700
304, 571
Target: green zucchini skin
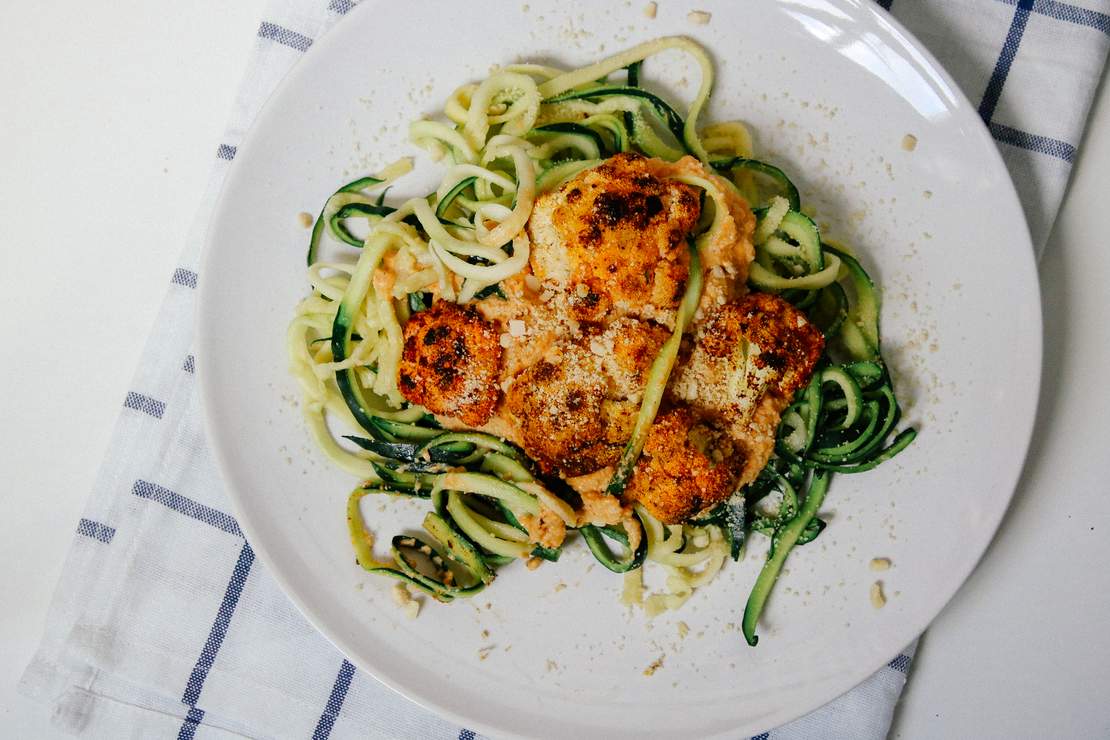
661, 109
576, 129
734, 521
851, 420
450, 469
444, 205
860, 332
790, 191
323, 220
782, 542
658, 374
595, 540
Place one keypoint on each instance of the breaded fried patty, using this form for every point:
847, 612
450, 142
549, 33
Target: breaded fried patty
575, 409
749, 358
687, 466
451, 362
744, 350
627, 348
558, 409
614, 239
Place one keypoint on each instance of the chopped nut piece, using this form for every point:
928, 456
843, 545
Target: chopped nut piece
651, 9
699, 17
909, 142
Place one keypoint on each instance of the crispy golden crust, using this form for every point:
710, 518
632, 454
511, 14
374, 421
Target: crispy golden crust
576, 407
756, 346
727, 255
614, 238
789, 345
451, 362
627, 348
566, 423
687, 466
748, 359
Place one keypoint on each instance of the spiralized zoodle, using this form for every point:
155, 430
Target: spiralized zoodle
522, 132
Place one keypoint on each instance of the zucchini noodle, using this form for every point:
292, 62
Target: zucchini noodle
503, 141
690, 556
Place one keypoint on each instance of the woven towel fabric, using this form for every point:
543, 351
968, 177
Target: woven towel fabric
164, 623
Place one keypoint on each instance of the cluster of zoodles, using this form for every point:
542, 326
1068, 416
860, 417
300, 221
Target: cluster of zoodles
523, 131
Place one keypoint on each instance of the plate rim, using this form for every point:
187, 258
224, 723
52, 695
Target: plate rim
220, 446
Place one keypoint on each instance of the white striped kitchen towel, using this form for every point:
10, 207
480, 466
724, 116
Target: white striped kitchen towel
164, 624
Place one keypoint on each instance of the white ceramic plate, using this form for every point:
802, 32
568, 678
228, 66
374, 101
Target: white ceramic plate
831, 88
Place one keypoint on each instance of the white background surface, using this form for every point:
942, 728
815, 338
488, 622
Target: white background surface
108, 130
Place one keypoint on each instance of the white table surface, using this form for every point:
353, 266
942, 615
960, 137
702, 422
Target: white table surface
110, 120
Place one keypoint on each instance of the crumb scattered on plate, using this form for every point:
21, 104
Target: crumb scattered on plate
878, 599
304, 219
403, 599
655, 665
651, 9
699, 17
880, 564
909, 142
